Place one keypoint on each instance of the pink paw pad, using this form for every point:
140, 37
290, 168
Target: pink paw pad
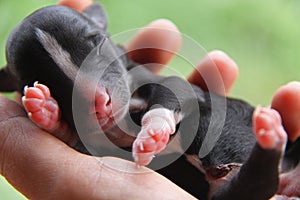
268, 129
157, 126
41, 107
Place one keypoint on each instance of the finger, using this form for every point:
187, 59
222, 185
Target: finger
286, 101
156, 43
42, 167
217, 73
79, 5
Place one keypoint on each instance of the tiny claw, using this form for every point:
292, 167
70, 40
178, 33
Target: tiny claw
151, 132
257, 111
23, 99
35, 83
142, 147
138, 166
25, 89
261, 132
29, 114
136, 159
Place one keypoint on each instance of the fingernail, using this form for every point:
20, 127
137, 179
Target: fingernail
151, 132
141, 147
23, 99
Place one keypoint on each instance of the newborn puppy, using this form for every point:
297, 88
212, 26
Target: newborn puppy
50, 45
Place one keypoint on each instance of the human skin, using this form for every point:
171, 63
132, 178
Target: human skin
43, 167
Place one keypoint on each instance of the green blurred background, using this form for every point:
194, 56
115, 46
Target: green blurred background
263, 37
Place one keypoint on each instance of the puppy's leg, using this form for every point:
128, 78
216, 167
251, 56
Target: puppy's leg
157, 126
258, 178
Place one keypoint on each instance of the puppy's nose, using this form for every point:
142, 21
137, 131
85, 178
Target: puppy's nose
103, 107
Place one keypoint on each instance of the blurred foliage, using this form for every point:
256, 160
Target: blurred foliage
7, 192
261, 36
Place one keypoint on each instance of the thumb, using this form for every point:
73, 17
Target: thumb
42, 167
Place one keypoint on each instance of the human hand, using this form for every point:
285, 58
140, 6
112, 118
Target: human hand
42, 167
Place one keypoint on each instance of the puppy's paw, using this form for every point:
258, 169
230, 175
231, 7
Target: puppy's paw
268, 129
42, 109
157, 126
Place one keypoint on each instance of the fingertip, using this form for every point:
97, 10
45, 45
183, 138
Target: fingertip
155, 44
286, 101
9, 108
79, 5
216, 72
163, 23
294, 85
18, 98
224, 62
228, 69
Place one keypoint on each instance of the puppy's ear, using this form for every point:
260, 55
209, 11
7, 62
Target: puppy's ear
7, 83
97, 14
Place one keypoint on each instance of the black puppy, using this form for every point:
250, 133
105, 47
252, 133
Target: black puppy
49, 46
69, 51
240, 165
